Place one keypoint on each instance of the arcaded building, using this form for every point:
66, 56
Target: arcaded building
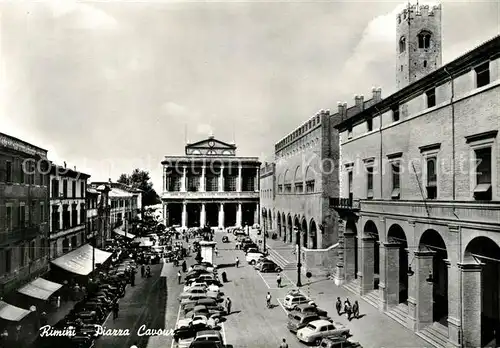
267, 195
210, 185
420, 194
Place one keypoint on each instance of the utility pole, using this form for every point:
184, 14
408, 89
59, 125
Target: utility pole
299, 265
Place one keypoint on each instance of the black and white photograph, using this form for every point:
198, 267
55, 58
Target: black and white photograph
249, 174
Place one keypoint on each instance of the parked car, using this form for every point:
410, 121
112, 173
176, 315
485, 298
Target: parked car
252, 250
311, 309
253, 257
260, 261
315, 331
206, 344
293, 300
192, 291
193, 299
297, 321
209, 335
338, 342
195, 284
270, 267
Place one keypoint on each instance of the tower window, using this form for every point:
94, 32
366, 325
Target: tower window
482, 75
425, 64
431, 97
402, 44
424, 39
401, 68
369, 124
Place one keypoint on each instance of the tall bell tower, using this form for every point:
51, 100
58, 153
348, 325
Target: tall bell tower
418, 43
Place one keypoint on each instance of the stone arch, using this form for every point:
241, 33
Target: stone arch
397, 257
298, 179
310, 178
482, 255
289, 228
287, 182
313, 235
424, 38
432, 241
369, 246
402, 44
279, 181
351, 250
305, 232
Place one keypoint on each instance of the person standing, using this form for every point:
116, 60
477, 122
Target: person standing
268, 300
216, 252
179, 276
278, 280
355, 310
237, 263
116, 309
184, 266
143, 270
228, 305
348, 308
338, 305
284, 344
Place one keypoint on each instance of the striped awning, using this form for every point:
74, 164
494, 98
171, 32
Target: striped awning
12, 313
40, 288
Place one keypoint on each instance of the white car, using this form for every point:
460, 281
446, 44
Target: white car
295, 299
252, 258
316, 330
195, 285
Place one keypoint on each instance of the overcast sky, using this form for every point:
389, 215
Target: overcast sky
109, 86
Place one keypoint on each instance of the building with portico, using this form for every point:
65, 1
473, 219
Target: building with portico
210, 185
419, 203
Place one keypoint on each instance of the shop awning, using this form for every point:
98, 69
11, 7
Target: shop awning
122, 233
12, 313
79, 261
40, 288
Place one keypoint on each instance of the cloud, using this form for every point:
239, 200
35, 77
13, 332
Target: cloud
82, 16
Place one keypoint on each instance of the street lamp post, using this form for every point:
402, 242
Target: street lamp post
299, 265
265, 232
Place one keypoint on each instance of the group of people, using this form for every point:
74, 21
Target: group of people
352, 311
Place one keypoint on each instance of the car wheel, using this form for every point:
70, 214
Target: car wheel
345, 335
318, 341
252, 262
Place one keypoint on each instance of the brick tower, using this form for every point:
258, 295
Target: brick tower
418, 43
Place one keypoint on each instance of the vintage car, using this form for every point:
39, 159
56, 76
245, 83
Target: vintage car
297, 321
338, 342
315, 331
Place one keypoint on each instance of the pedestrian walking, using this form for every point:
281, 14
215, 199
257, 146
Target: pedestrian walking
116, 309
148, 271
338, 305
184, 266
237, 263
228, 305
348, 309
284, 344
179, 276
268, 300
143, 270
355, 310
278, 280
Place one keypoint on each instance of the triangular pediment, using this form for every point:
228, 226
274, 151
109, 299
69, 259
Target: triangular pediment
211, 146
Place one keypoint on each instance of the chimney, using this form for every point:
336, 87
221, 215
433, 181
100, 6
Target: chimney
359, 102
377, 94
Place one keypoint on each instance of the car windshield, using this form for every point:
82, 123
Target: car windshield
311, 326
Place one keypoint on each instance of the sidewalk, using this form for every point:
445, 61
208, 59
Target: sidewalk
373, 329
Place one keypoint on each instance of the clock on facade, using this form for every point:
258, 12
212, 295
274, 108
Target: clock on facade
211, 143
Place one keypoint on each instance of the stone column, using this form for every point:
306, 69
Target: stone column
165, 179
256, 215
349, 256
221, 215
390, 278
424, 290
239, 183
471, 307
184, 215
257, 178
203, 179
454, 301
411, 319
221, 179
238, 215
367, 265
203, 215
339, 276
184, 179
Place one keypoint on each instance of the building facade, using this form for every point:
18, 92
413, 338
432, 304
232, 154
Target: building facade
267, 195
24, 204
420, 201
211, 186
92, 227
99, 213
68, 192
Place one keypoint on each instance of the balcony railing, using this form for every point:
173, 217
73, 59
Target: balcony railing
344, 203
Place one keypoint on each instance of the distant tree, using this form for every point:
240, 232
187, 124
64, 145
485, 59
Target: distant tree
124, 179
141, 180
